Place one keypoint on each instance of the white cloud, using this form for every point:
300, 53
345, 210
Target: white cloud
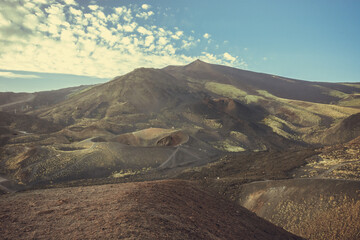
145, 6
163, 41
187, 44
16, 75
56, 17
228, 57
127, 14
75, 11
101, 16
170, 49
4, 22
127, 18
119, 10
129, 27
143, 30
145, 15
149, 40
209, 56
126, 41
242, 64
70, 2
177, 35
56, 38
206, 35
93, 7
40, 1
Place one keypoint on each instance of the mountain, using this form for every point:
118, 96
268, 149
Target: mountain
141, 91
277, 146
217, 108
203, 94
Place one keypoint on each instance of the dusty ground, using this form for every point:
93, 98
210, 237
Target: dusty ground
147, 210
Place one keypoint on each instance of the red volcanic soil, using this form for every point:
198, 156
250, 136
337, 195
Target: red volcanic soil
147, 210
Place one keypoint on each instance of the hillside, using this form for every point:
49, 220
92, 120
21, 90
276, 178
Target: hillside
312, 193
312, 208
295, 109
344, 131
25, 102
148, 210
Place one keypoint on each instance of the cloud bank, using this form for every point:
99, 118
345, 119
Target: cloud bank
64, 36
16, 75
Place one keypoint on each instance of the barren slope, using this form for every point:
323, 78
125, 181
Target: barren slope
312, 208
148, 210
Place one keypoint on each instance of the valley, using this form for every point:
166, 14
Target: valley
268, 157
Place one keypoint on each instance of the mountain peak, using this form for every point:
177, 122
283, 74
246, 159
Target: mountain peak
197, 64
198, 61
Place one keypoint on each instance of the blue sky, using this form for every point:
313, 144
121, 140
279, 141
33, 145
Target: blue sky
48, 44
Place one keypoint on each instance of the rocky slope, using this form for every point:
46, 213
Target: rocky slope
148, 210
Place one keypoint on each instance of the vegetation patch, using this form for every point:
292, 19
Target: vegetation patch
129, 172
267, 94
228, 146
239, 136
278, 125
66, 148
351, 101
225, 90
253, 98
212, 123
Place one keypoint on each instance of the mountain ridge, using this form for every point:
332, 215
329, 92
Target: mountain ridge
221, 110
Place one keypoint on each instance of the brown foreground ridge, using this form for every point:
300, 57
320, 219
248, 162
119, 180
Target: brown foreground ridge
169, 209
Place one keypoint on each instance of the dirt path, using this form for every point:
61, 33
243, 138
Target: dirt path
171, 161
2, 187
323, 175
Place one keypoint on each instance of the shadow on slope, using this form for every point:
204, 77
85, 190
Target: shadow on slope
343, 132
252, 81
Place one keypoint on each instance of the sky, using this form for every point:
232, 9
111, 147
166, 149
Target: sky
52, 44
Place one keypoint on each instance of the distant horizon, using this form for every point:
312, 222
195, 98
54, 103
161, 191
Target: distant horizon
30, 82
